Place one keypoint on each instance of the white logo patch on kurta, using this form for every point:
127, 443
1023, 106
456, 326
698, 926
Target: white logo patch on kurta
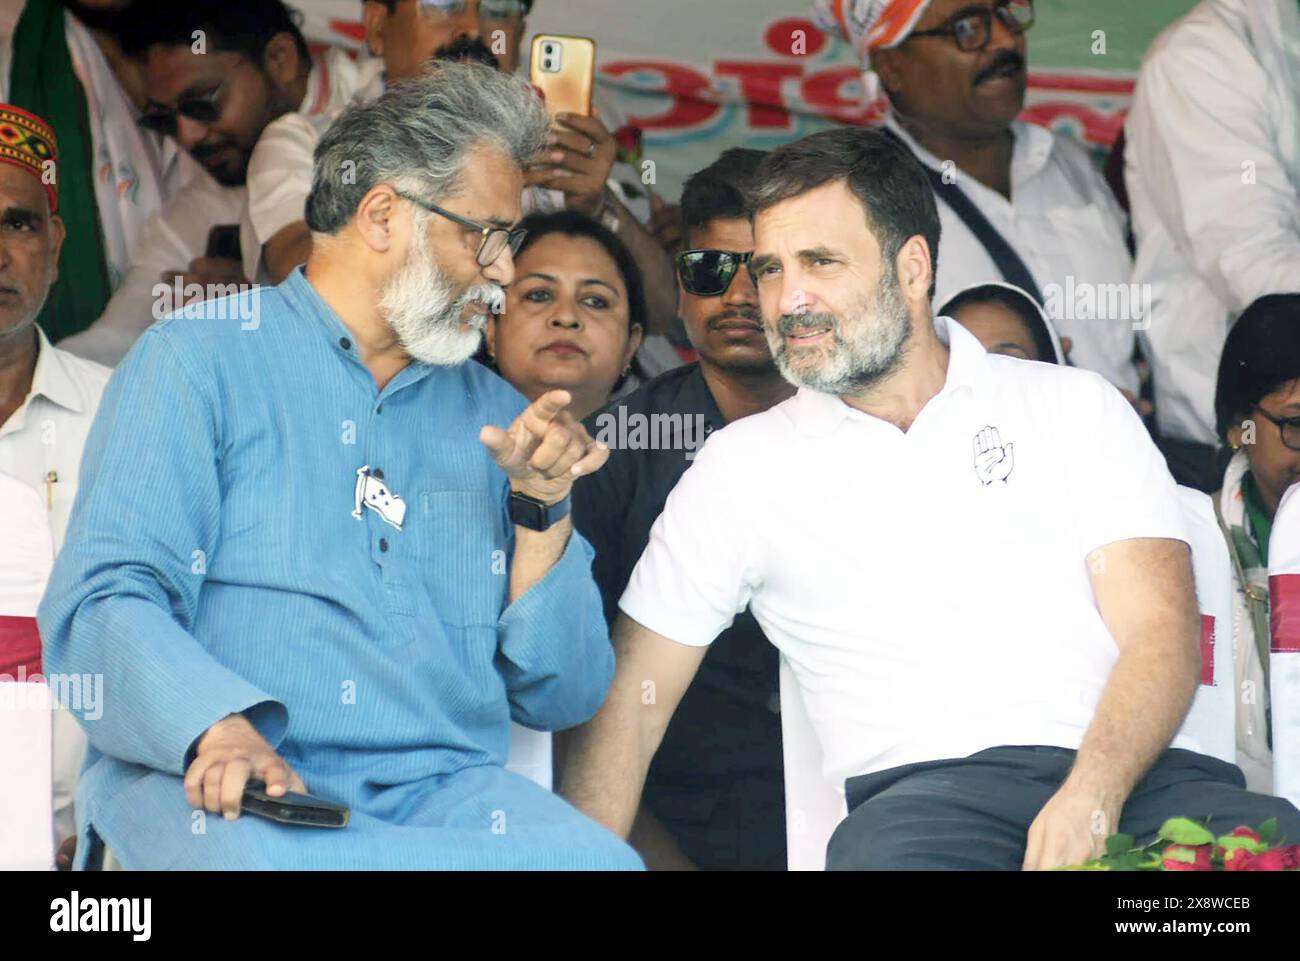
373, 493
993, 459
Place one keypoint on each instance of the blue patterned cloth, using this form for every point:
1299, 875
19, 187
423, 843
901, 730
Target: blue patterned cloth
215, 563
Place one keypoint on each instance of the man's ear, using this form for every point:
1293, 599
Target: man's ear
885, 64
374, 16
490, 336
57, 234
376, 218
915, 269
281, 60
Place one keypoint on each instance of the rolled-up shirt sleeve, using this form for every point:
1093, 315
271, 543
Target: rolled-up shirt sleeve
122, 598
699, 569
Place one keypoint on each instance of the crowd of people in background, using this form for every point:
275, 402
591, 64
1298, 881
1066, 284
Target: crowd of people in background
340, 393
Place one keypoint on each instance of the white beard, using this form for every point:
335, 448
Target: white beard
417, 303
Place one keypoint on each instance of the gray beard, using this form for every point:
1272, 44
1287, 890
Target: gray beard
418, 304
869, 352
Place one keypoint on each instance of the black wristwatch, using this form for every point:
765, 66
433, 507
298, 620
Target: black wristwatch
535, 515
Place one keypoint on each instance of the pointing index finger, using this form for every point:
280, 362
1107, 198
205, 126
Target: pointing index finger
545, 408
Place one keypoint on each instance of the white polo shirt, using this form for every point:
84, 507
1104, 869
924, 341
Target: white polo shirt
1067, 227
926, 613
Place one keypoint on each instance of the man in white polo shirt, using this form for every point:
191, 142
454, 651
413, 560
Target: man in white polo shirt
974, 564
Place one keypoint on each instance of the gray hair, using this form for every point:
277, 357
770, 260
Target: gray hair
416, 135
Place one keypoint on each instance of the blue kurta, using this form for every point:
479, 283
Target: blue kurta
214, 565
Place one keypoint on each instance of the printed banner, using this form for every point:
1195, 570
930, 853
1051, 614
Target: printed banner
699, 76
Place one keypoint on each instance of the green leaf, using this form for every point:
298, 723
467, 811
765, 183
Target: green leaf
1186, 831
1119, 843
1267, 830
1130, 861
1229, 843
1186, 855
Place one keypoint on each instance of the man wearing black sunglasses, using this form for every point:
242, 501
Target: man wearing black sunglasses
217, 74
715, 795
1018, 202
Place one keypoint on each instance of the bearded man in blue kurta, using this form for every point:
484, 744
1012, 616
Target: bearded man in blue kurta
315, 545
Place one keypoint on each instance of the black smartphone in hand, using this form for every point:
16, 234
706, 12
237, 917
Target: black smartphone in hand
300, 809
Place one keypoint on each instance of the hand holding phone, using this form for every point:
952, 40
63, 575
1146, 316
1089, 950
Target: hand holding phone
304, 810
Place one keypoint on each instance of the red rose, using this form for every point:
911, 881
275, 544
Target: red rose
1180, 857
1274, 860
1245, 832
1239, 860
1292, 852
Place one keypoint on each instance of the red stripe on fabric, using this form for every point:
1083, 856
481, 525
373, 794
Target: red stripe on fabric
1284, 616
20, 646
1207, 650
1039, 80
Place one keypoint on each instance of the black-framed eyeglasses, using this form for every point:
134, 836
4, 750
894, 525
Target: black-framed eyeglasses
489, 9
708, 273
1289, 426
973, 30
203, 108
495, 239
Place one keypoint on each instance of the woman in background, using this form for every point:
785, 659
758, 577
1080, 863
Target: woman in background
1257, 409
575, 314
1007, 320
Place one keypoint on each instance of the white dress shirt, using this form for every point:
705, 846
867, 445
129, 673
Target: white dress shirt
1212, 164
929, 608
40, 445
1068, 229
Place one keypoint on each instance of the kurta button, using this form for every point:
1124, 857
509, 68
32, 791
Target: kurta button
383, 544
377, 474
345, 343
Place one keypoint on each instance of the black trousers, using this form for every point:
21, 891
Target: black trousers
974, 813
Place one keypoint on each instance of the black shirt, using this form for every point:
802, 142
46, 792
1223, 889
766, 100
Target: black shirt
716, 782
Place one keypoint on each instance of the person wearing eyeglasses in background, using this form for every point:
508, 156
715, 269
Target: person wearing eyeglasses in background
955, 74
65, 63
216, 73
1257, 407
715, 795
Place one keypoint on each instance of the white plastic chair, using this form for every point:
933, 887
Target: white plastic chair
1284, 660
814, 807
26, 719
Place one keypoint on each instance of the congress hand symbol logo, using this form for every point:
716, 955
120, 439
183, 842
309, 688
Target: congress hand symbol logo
993, 460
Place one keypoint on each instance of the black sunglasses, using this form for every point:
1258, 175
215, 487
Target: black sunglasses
708, 273
203, 108
973, 30
494, 240
1289, 426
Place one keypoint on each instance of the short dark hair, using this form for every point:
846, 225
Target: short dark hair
1019, 302
720, 190
571, 223
233, 26
1261, 354
882, 173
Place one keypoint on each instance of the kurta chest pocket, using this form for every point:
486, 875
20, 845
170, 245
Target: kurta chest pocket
461, 549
